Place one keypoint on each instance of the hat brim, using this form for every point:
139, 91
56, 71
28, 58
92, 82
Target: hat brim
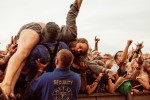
121, 87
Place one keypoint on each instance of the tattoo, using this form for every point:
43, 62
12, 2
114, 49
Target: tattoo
94, 83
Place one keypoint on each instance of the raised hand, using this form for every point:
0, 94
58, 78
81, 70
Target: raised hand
15, 40
129, 42
139, 46
40, 66
96, 39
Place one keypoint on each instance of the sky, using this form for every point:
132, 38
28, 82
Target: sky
113, 21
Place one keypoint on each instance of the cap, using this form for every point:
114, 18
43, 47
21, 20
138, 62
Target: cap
125, 87
50, 31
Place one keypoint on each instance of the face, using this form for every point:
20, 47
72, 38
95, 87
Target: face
79, 48
119, 57
134, 65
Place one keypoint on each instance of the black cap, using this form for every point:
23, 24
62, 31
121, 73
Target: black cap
50, 31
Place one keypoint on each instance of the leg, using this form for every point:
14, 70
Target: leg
27, 40
16, 76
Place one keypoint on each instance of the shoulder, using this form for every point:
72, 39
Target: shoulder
46, 75
39, 49
75, 75
63, 45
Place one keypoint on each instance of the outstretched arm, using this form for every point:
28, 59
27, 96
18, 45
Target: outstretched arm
68, 32
124, 54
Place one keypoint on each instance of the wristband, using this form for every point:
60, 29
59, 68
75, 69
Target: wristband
96, 81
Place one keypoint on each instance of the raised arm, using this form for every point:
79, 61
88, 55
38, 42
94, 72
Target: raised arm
68, 32
96, 43
10, 51
125, 52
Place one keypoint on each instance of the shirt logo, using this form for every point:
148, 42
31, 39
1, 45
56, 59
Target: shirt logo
62, 93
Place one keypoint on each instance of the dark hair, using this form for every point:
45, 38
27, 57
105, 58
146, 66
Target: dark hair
116, 55
50, 31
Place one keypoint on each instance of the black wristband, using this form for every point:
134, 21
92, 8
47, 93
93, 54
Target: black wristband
137, 51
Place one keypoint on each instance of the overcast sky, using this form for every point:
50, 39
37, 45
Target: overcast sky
113, 21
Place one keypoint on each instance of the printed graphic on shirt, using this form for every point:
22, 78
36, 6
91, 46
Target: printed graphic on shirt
62, 93
62, 82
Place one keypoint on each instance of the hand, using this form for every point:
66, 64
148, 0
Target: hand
40, 66
100, 75
83, 66
96, 39
12, 48
139, 46
15, 40
129, 42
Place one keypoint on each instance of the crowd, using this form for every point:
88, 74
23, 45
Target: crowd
46, 62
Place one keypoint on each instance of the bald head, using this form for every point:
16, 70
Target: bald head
64, 58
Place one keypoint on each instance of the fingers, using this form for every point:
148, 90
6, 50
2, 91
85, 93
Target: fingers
15, 40
11, 41
129, 42
39, 64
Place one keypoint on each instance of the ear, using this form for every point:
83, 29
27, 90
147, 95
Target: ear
56, 61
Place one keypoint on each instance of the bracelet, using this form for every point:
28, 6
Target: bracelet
96, 81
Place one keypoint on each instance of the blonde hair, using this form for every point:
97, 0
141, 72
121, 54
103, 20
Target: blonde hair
65, 57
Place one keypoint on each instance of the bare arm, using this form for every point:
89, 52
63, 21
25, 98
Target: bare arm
91, 88
145, 85
96, 43
125, 52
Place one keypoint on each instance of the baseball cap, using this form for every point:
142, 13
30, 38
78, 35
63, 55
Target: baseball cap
125, 87
50, 31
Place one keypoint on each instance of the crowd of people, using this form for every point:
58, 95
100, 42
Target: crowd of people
46, 62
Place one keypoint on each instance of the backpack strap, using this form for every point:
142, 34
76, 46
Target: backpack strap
50, 67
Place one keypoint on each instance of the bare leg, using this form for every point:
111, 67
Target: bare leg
17, 74
27, 40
